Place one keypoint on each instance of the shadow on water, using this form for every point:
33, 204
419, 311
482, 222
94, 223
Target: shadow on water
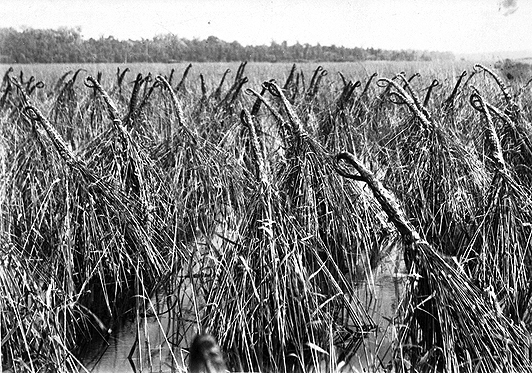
144, 344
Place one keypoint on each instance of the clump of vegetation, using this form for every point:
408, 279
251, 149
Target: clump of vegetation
257, 210
511, 69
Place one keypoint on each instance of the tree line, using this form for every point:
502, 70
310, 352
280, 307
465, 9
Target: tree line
67, 45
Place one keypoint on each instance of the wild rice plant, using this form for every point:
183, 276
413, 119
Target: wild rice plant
204, 197
499, 254
171, 203
111, 251
446, 322
440, 180
65, 110
289, 302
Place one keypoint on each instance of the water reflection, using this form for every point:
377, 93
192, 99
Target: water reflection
158, 341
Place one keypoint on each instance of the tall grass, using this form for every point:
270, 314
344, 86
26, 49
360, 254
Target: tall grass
212, 194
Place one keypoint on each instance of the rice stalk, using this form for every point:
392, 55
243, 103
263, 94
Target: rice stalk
202, 197
504, 89
448, 104
218, 92
499, 255
114, 236
447, 322
515, 138
288, 300
338, 214
440, 180
181, 86
37, 318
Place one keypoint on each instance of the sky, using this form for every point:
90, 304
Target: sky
458, 26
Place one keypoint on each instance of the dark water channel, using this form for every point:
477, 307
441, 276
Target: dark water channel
146, 348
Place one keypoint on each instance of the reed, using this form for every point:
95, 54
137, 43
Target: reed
217, 202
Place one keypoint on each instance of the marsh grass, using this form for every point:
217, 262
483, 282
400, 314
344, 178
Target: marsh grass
212, 197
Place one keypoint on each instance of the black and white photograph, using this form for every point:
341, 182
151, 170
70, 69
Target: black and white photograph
266, 186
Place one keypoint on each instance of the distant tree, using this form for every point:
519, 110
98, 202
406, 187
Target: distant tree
67, 45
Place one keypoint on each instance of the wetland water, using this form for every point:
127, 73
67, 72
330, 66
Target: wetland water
124, 352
